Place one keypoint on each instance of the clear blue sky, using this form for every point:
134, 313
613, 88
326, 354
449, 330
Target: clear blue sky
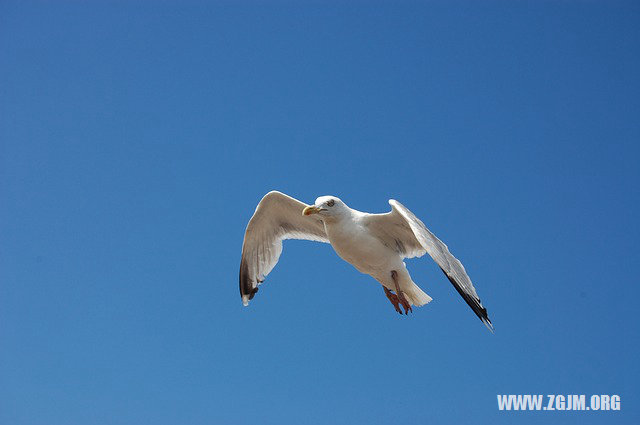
137, 139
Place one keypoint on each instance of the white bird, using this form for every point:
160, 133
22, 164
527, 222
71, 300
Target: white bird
375, 244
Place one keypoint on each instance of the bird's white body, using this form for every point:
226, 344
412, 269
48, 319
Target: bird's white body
350, 239
353, 245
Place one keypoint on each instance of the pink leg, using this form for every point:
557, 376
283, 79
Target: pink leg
403, 300
393, 298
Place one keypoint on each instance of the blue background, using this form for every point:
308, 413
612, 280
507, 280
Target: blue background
137, 139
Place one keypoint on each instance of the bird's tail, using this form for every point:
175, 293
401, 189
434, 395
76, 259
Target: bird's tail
417, 296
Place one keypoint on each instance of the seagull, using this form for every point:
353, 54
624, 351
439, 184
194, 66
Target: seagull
375, 244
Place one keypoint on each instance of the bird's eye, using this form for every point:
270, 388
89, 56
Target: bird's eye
331, 203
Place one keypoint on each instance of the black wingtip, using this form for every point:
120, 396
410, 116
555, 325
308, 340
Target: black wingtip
246, 286
475, 305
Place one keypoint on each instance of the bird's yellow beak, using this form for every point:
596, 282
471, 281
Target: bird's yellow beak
310, 210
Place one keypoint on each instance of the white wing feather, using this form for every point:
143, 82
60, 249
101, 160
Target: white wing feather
277, 217
401, 230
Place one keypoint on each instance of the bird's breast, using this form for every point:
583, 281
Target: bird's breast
354, 244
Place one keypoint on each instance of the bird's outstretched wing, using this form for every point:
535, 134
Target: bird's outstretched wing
277, 217
401, 230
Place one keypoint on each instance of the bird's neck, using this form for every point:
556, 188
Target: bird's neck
344, 218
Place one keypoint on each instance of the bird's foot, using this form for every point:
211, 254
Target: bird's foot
397, 301
393, 298
405, 304
400, 295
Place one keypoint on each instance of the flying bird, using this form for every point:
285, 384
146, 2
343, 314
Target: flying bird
375, 244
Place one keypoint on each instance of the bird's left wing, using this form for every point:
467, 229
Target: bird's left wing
402, 231
277, 217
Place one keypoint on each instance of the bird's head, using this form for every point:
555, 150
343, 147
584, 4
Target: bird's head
327, 207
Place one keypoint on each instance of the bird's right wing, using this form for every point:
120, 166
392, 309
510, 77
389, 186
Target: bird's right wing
277, 217
402, 231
